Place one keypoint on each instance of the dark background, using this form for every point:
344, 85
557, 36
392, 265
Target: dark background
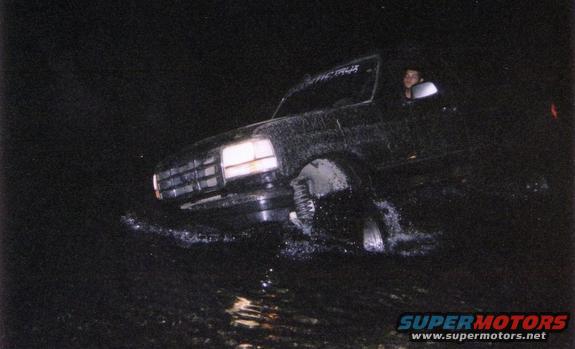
96, 93
142, 76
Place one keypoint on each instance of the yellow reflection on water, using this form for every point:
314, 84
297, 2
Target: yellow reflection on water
249, 314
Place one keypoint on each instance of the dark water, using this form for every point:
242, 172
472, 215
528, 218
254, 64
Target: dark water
123, 275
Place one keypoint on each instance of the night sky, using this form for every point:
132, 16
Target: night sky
175, 71
96, 93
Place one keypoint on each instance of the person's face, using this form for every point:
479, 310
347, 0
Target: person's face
411, 78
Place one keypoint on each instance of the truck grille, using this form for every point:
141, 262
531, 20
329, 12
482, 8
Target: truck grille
191, 177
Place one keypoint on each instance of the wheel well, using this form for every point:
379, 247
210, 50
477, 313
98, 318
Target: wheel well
327, 175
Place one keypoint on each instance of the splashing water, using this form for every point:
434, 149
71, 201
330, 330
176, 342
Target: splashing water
306, 247
404, 239
298, 249
188, 236
390, 216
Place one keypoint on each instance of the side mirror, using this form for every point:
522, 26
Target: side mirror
424, 89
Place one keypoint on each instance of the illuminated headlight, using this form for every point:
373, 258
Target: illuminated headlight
248, 158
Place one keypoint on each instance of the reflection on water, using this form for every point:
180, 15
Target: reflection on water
329, 301
271, 313
262, 313
247, 313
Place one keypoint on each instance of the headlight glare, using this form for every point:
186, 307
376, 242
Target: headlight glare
238, 154
249, 157
263, 149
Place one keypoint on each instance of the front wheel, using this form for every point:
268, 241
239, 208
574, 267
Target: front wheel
329, 197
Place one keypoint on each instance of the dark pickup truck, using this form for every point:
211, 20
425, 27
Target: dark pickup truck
345, 130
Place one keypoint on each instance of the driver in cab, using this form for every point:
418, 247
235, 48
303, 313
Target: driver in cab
411, 76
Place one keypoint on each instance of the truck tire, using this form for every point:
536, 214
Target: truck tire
330, 197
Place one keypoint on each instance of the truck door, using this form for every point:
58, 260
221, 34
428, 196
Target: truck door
373, 135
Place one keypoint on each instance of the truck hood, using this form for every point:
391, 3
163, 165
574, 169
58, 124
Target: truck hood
236, 135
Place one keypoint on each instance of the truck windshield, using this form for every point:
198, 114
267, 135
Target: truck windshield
346, 85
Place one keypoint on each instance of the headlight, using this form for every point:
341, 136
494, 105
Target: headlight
248, 158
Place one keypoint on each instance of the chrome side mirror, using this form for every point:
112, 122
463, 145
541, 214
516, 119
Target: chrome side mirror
424, 89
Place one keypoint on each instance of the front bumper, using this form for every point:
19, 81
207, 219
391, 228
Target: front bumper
243, 209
